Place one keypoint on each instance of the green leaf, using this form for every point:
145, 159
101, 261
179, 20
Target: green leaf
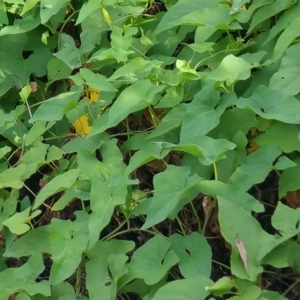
222, 78
121, 38
288, 180
105, 267
119, 55
57, 184
64, 200
146, 154
230, 119
134, 69
269, 11
88, 8
257, 242
54, 153
14, 280
34, 241
231, 70
57, 70
255, 168
222, 286
216, 17
36, 131
152, 261
282, 135
284, 163
174, 96
272, 105
29, 4
254, 58
50, 8
180, 10
34, 158
134, 98
3, 16
22, 296
245, 15
205, 109
96, 81
68, 52
108, 191
21, 26
286, 219
201, 47
170, 121
194, 253
236, 5
192, 289
104, 197
68, 240
280, 257
207, 149
18, 223
113, 157
89, 144
63, 291
9, 206
230, 192
12, 177
34, 64
286, 78
283, 22
55, 108
90, 166
4, 150
294, 258
173, 188
286, 38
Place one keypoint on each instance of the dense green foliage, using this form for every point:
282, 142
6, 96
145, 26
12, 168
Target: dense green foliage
185, 185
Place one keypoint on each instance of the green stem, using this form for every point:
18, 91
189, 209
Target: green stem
215, 171
115, 230
221, 264
153, 116
127, 231
78, 277
63, 26
180, 225
197, 217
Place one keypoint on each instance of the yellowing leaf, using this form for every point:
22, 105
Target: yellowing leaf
252, 148
94, 94
81, 125
106, 16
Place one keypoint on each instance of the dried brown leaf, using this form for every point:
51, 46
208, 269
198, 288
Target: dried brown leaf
293, 198
242, 251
